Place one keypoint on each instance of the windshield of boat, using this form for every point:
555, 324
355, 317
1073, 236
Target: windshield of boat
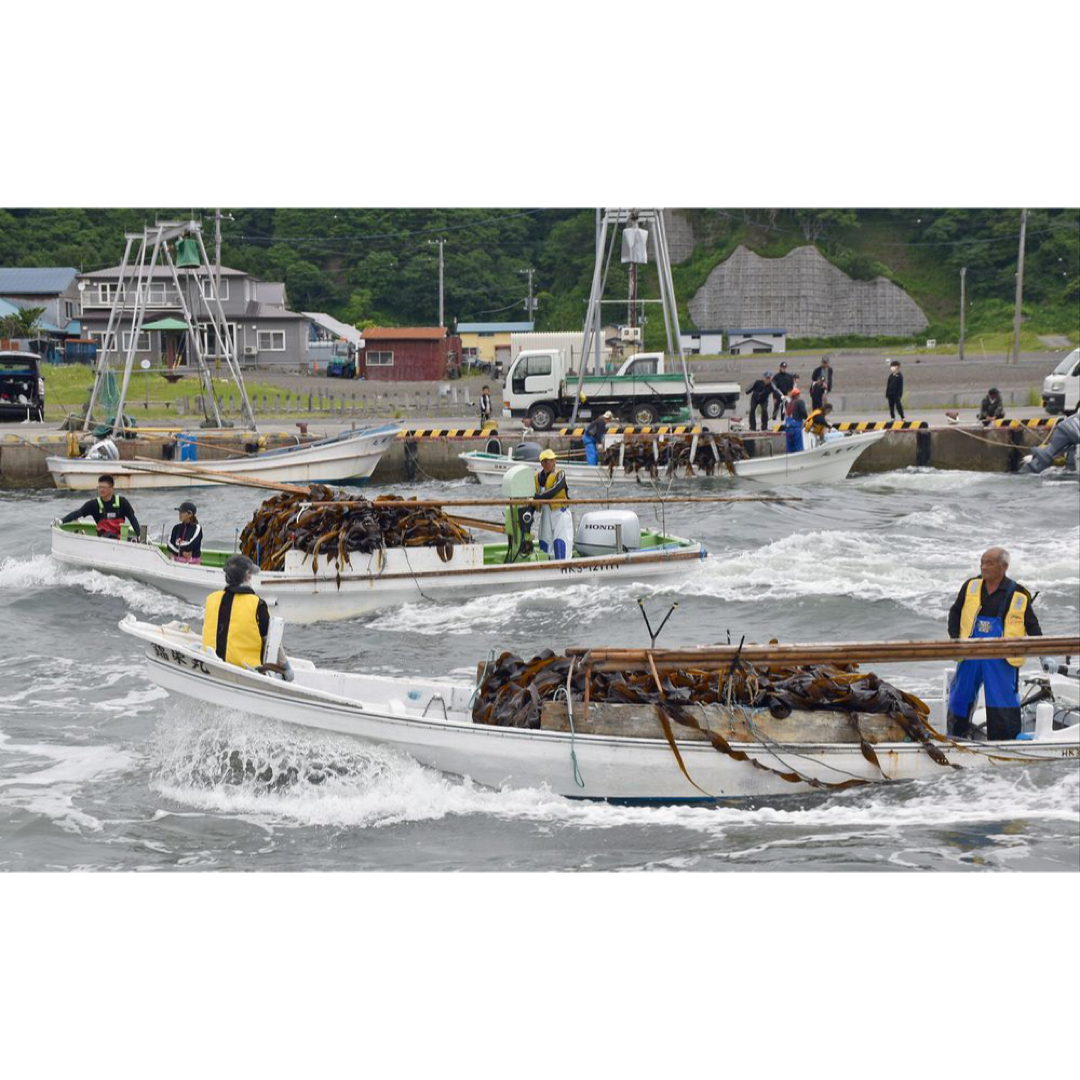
1065, 366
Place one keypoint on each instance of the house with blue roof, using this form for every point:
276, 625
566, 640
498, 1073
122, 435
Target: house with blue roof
54, 288
486, 342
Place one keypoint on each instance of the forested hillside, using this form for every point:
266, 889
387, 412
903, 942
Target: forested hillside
381, 265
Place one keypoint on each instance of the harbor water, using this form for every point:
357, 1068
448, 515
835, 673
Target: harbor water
100, 769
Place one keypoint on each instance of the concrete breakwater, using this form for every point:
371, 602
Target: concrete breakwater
415, 457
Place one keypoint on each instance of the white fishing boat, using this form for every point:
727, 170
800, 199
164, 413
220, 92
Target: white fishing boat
431, 720
349, 458
306, 590
826, 463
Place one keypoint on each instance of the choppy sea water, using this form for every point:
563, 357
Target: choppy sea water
100, 769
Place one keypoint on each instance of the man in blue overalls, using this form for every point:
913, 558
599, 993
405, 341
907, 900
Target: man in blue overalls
990, 606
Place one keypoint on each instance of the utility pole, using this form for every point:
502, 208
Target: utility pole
217, 251
597, 360
529, 307
1019, 289
440, 242
963, 307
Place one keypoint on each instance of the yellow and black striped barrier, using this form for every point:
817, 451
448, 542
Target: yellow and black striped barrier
448, 433
659, 429
875, 425
1036, 422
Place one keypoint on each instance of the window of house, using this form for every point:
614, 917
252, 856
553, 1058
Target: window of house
209, 341
271, 341
104, 294
207, 287
142, 345
99, 337
470, 354
380, 359
155, 293
69, 309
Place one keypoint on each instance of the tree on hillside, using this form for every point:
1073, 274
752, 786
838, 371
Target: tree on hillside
815, 223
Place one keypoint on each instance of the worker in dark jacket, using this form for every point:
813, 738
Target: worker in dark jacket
894, 390
783, 381
992, 408
185, 543
760, 393
990, 606
593, 437
823, 371
818, 390
108, 510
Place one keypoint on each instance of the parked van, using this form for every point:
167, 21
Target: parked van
22, 389
1061, 389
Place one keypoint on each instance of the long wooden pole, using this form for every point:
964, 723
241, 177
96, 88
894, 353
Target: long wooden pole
836, 652
152, 465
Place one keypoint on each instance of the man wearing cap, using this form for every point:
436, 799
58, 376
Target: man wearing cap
759, 399
793, 425
823, 372
185, 543
783, 381
594, 437
556, 521
236, 621
108, 510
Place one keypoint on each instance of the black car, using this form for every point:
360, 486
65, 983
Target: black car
22, 389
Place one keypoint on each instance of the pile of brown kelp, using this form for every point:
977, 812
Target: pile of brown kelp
513, 691
674, 454
347, 524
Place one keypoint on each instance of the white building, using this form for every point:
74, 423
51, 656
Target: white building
702, 342
746, 342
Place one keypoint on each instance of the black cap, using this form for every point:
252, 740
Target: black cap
994, 390
783, 363
189, 507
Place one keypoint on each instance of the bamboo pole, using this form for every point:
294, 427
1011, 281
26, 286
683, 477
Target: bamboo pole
152, 466
835, 652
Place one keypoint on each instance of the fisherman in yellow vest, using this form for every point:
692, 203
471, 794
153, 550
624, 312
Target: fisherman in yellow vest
236, 620
556, 521
990, 606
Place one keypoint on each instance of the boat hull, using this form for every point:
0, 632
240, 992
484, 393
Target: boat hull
390, 712
828, 463
351, 459
405, 576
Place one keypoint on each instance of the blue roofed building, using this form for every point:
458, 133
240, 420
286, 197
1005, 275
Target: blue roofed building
486, 342
54, 288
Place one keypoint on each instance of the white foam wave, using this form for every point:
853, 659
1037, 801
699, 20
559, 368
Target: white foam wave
42, 571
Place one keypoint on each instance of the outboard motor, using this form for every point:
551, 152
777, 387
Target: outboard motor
527, 451
608, 532
1064, 440
519, 482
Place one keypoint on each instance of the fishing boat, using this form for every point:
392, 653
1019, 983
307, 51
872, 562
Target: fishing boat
349, 458
432, 721
311, 589
826, 463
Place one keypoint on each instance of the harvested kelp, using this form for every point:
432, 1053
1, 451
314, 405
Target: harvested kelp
346, 525
513, 691
673, 454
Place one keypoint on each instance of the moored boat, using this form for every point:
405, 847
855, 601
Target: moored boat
349, 458
433, 721
826, 463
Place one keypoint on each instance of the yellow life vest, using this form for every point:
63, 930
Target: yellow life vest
243, 642
815, 422
546, 481
1014, 617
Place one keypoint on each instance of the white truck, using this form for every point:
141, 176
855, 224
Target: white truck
1061, 388
542, 385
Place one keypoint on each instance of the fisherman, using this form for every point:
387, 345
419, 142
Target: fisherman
990, 606
784, 381
817, 423
818, 388
594, 437
108, 510
760, 393
556, 521
793, 425
185, 543
894, 390
992, 408
824, 372
236, 620
485, 405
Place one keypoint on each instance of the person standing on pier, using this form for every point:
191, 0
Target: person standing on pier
784, 381
990, 606
485, 405
760, 393
894, 390
824, 372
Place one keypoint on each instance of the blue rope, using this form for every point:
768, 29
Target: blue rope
570, 712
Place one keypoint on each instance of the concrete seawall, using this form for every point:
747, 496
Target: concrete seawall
22, 457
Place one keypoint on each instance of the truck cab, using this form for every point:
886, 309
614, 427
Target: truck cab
1061, 388
22, 389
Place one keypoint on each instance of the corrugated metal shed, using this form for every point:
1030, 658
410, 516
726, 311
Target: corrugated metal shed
336, 326
405, 333
36, 280
495, 328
